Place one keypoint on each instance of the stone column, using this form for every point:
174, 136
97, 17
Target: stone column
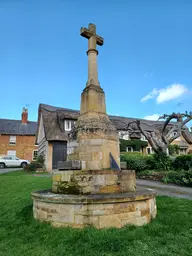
92, 62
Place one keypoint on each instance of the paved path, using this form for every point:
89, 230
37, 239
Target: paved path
9, 170
166, 189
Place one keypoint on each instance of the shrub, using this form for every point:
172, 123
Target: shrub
40, 160
180, 178
32, 167
39, 163
135, 161
161, 161
173, 150
183, 162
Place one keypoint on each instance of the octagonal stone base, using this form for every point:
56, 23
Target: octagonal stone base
99, 211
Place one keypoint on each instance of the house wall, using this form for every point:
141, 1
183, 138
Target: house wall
178, 140
49, 157
24, 147
44, 147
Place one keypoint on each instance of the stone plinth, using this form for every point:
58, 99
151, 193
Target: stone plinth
99, 211
97, 137
93, 182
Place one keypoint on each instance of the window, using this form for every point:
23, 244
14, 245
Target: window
149, 150
143, 137
35, 155
12, 140
174, 134
7, 157
129, 149
67, 125
182, 151
11, 152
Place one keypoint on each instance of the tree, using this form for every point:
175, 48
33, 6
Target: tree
161, 135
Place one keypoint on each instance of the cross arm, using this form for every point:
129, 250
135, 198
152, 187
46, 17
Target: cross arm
87, 34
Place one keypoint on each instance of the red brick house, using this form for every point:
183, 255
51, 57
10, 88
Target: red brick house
17, 137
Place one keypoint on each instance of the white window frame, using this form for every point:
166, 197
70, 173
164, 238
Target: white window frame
11, 153
127, 149
12, 140
182, 151
143, 138
173, 134
34, 158
151, 150
67, 125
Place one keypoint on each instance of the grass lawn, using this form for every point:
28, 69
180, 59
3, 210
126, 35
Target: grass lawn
169, 234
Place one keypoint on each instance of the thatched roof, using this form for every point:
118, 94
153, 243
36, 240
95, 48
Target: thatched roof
53, 126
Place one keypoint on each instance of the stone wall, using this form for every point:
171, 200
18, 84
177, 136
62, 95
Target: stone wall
100, 212
93, 182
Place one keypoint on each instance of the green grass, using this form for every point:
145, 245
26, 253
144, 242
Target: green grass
169, 234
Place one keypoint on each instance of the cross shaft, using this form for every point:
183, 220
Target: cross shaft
93, 40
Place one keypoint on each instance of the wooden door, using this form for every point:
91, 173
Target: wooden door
59, 152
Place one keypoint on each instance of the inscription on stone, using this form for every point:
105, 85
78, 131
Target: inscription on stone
69, 165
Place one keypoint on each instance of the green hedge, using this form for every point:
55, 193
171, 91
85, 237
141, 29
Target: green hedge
183, 162
180, 178
136, 161
136, 144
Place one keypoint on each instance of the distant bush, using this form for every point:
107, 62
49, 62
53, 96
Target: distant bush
157, 161
32, 167
183, 162
135, 161
39, 163
40, 159
173, 150
180, 178
161, 161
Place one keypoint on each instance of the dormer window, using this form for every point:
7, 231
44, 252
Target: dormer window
67, 125
174, 134
143, 137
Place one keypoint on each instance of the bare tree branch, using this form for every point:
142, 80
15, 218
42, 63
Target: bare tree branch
160, 139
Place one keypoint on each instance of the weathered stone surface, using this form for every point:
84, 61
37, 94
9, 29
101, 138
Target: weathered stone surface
69, 165
123, 165
95, 196
93, 182
100, 211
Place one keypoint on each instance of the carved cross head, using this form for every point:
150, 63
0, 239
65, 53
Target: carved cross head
92, 29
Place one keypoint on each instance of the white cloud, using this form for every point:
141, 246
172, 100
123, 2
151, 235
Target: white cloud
173, 91
153, 117
150, 95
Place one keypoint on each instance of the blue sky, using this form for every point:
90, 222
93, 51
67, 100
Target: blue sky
145, 64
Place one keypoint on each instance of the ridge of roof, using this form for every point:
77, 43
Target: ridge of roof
114, 117
16, 120
16, 127
119, 121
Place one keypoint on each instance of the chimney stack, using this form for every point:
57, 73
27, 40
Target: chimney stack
24, 116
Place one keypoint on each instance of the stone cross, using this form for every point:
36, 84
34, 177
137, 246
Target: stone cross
93, 40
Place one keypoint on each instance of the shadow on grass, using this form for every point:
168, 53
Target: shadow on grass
26, 214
